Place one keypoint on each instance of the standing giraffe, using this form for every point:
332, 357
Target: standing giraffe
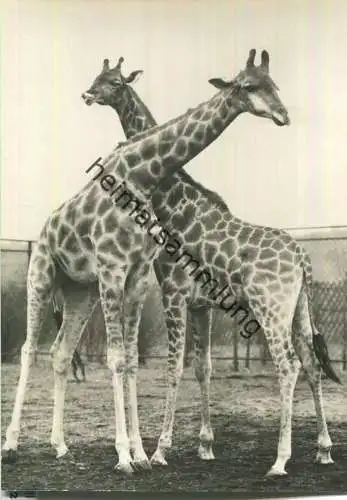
91, 245
216, 228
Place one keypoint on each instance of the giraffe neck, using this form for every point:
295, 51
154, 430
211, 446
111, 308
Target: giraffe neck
134, 115
151, 156
136, 118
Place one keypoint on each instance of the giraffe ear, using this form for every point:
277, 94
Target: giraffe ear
134, 76
219, 83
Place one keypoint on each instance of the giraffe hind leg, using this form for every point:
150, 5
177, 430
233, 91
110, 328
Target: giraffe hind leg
303, 342
58, 318
39, 290
135, 293
111, 285
201, 326
278, 332
74, 365
82, 367
79, 303
176, 317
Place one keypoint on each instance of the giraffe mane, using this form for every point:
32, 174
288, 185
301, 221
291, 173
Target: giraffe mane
212, 196
144, 109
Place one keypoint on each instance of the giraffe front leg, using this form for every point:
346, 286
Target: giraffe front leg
39, 291
140, 460
61, 362
134, 297
111, 287
202, 319
79, 303
176, 316
116, 363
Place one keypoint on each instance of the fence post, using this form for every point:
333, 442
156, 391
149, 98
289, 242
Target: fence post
236, 349
30, 249
344, 355
264, 351
248, 352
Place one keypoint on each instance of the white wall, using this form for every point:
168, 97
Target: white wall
52, 50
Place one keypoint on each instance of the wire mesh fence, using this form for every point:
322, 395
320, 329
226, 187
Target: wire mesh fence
327, 248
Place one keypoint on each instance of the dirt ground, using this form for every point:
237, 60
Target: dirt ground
244, 412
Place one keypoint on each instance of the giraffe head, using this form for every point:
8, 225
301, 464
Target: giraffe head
109, 86
256, 91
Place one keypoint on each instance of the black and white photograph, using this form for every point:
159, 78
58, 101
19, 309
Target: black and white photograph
174, 247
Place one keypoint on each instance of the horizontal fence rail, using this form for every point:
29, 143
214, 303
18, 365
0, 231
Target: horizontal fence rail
164, 358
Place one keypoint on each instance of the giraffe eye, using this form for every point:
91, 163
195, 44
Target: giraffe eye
116, 83
249, 86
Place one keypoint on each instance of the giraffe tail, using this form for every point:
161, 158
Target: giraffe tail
319, 345
321, 351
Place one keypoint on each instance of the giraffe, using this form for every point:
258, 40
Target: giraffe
254, 244
90, 247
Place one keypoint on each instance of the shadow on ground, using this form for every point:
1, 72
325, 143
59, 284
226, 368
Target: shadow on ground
244, 416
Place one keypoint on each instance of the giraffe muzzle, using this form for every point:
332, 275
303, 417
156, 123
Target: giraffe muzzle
88, 98
281, 118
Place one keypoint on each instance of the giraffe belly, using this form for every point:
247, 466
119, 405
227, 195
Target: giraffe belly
81, 270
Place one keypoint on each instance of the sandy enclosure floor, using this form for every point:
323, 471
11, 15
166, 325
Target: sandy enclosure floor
244, 413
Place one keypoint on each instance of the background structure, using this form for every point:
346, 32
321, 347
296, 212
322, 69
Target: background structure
327, 248
52, 50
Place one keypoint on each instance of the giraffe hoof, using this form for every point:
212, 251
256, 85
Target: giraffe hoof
125, 468
158, 459
206, 453
141, 465
276, 473
207, 456
9, 456
323, 459
63, 452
